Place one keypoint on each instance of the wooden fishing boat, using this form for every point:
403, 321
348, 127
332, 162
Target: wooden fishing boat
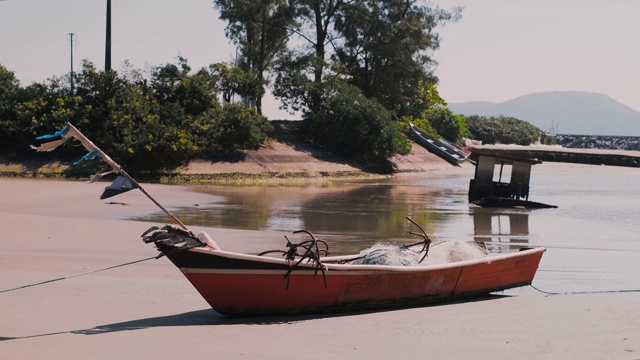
242, 284
441, 147
303, 278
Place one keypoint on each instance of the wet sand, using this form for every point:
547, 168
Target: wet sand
148, 310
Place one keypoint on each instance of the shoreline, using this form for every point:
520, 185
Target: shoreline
281, 163
148, 310
275, 161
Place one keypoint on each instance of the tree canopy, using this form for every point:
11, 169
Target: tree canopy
260, 29
172, 116
355, 69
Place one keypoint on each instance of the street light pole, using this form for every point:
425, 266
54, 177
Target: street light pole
71, 75
107, 53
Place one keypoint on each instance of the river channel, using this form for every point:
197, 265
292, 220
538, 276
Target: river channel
592, 238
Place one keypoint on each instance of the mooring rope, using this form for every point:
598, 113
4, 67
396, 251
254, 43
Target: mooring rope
585, 292
81, 274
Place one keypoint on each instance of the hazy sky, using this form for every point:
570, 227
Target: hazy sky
499, 50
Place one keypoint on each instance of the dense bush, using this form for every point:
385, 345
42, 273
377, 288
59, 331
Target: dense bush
145, 124
447, 124
239, 127
347, 121
158, 121
422, 124
9, 87
502, 130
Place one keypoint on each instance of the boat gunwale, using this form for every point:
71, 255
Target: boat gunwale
373, 268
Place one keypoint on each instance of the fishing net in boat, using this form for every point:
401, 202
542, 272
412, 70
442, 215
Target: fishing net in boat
453, 251
382, 254
441, 253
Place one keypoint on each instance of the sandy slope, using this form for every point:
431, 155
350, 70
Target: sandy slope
278, 156
281, 157
57, 229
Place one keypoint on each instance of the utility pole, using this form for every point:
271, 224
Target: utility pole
107, 53
71, 74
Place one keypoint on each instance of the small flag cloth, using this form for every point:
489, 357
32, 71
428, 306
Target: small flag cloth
58, 138
97, 176
62, 133
120, 185
89, 156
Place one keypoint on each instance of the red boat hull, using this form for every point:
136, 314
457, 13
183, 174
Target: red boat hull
239, 284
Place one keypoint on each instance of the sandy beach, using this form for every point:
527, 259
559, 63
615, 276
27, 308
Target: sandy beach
147, 310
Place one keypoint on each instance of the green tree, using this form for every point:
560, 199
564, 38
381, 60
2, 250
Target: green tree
382, 47
428, 97
10, 129
183, 95
232, 81
260, 30
300, 72
386, 49
349, 122
316, 23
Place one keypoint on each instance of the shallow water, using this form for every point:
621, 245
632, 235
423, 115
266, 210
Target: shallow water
592, 238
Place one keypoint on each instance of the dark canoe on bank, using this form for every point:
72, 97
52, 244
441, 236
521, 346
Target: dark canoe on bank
240, 284
441, 147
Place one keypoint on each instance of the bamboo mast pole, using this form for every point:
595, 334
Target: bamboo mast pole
118, 169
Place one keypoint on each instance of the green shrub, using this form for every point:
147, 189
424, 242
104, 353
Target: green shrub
240, 127
502, 130
447, 124
349, 122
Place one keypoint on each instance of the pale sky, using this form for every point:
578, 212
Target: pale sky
499, 50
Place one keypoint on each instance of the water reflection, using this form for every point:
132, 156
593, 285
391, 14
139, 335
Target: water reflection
503, 230
348, 216
351, 217
592, 239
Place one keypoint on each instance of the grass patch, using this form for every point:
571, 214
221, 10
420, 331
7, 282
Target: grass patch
262, 179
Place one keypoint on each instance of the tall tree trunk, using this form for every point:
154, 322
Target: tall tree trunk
320, 38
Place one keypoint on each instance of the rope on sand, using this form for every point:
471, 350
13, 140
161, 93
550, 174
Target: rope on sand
585, 292
77, 275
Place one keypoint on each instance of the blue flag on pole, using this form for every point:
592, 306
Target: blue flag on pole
58, 134
120, 185
58, 138
89, 156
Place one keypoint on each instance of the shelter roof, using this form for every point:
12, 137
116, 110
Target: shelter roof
501, 158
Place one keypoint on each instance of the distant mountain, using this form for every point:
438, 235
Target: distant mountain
573, 112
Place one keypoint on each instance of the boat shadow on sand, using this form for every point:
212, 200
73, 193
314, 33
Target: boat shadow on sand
210, 317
